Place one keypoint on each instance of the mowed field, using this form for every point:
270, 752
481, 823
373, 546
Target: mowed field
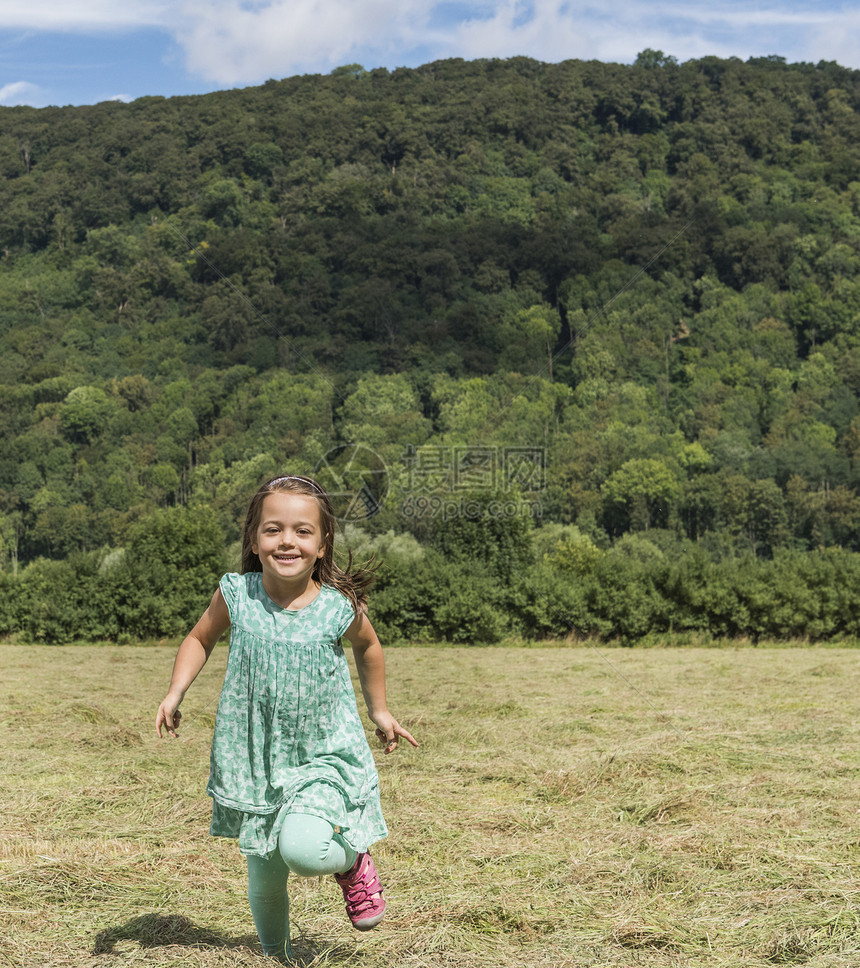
567, 807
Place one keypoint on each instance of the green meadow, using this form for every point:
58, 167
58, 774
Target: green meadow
567, 807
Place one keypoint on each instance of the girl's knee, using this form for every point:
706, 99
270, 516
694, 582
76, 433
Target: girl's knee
309, 847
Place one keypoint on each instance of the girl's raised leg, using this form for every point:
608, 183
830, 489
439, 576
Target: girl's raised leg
310, 847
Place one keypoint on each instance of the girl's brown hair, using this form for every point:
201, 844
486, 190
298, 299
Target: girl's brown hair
351, 582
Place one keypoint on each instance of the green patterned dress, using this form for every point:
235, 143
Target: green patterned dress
288, 737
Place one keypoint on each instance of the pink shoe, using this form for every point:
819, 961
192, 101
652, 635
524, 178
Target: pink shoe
362, 892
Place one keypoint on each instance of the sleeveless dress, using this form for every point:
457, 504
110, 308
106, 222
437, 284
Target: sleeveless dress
288, 737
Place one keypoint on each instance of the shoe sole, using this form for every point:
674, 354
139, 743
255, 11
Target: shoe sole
367, 924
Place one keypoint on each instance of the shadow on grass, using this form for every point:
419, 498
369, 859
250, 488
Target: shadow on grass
163, 930
160, 930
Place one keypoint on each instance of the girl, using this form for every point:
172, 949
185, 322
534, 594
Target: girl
292, 776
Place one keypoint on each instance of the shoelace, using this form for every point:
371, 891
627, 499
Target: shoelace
360, 895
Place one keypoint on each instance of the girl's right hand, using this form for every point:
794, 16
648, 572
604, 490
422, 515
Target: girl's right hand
168, 716
190, 659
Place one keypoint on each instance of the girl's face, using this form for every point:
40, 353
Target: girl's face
289, 539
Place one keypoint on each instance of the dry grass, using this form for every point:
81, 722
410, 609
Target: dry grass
568, 807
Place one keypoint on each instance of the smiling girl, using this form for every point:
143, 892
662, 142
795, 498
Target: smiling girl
291, 774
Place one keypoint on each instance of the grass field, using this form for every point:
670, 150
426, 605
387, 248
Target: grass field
567, 807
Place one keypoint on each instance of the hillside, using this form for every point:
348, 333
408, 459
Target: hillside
622, 300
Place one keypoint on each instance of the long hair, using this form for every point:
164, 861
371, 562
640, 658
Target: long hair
352, 582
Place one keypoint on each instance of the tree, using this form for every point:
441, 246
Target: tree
383, 410
641, 494
11, 527
651, 59
485, 531
173, 560
528, 335
86, 413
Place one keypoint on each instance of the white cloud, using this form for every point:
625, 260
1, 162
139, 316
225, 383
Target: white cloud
82, 15
545, 29
20, 92
245, 41
553, 30
838, 41
230, 41
741, 16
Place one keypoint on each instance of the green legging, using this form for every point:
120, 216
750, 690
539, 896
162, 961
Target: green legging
308, 846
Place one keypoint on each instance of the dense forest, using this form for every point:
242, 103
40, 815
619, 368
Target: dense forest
598, 325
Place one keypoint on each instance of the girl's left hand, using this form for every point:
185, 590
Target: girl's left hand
389, 731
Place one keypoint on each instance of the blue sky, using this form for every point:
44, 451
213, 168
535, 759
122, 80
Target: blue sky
85, 51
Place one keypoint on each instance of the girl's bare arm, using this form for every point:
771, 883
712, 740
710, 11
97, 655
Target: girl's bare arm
190, 659
370, 663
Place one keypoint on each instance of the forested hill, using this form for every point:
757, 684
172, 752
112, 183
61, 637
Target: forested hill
648, 273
